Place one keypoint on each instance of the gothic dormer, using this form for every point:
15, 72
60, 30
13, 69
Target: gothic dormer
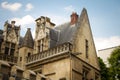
11, 35
42, 33
41, 30
11, 32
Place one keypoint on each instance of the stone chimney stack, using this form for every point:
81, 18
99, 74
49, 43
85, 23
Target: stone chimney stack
13, 23
74, 18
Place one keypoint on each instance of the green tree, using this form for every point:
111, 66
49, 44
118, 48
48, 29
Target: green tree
114, 61
104, 70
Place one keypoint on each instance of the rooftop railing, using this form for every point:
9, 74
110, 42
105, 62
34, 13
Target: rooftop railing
66, 47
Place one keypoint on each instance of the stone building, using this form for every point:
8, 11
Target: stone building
64, 52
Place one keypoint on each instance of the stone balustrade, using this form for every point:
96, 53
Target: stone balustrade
8, 58
66, 47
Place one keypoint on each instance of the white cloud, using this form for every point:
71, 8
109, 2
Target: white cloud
57, 19
33, 33
69, 8
102, 43
25, 22
11, 6
29, 6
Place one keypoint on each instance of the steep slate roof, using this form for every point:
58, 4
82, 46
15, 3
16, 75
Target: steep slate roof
28, 39
61, 34
65, 32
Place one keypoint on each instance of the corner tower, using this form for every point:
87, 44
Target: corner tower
26, 48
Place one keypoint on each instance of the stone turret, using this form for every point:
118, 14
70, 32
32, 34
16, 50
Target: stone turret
26, 48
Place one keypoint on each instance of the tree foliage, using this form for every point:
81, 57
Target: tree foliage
114, 61
104, 70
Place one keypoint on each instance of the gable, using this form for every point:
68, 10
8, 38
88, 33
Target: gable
84, 39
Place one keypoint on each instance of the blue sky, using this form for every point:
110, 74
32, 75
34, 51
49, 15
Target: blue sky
104, 16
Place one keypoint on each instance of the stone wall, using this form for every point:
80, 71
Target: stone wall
83, 40
57, 70
81, 70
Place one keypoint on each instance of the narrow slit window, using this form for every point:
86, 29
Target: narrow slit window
86, 48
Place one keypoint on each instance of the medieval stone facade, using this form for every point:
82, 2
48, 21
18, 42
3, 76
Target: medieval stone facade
64, 52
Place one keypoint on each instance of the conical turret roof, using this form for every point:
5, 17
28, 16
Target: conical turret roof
28, 39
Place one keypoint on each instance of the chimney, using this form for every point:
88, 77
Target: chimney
13, 23
29, 29
47, 19
74, 18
